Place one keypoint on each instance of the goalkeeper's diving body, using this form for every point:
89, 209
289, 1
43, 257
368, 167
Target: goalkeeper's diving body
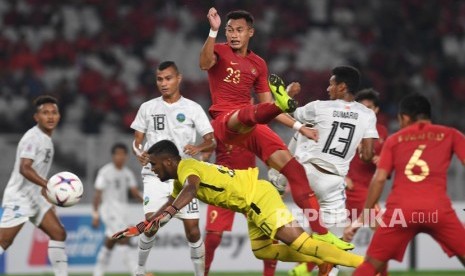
241, 191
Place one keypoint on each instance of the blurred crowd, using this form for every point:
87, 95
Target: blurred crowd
98, 56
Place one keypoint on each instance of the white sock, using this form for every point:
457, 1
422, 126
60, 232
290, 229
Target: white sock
198, 256
58, 258
145, 244
103, 258
128, 257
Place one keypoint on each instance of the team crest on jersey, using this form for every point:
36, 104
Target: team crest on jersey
254, 71
181, 117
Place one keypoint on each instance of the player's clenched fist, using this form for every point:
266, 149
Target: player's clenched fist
214, 19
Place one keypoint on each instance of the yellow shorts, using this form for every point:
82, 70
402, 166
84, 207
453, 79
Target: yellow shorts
267, 212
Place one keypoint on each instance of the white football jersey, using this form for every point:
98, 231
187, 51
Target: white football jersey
35, 145
177, 122
114, 184
341, 126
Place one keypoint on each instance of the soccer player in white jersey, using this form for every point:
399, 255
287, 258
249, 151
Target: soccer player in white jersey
175, 118
24, 197
343, 124
111, 194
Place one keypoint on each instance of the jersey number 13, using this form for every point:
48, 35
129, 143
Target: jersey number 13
345, 140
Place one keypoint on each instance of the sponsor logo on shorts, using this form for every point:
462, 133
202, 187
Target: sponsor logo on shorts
181, 117
146, 200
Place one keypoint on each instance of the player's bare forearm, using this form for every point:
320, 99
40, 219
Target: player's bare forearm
95, 204
208, 144
188, 192
367, 152
26, 170
97, 199
207, 54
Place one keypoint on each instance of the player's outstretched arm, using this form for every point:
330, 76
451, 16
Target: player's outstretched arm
207, 54
141, 226
188, 192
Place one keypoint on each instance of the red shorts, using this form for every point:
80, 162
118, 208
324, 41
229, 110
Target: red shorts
234, 157
444, 226
261, 140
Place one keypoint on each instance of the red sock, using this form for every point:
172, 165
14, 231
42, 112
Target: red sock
212, 241
261, 113
269, 267
301, 192
365, 269
310, 266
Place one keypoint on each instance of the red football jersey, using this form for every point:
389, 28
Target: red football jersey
360, 171
420, 155
232, 78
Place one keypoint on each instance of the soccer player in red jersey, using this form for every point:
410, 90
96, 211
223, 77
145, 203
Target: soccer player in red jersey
219, 219
233, 71
361, 172
419, 154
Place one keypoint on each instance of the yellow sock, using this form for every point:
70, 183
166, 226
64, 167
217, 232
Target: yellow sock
325, 251
265, 249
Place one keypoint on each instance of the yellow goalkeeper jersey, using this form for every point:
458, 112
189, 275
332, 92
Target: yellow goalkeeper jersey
219, 185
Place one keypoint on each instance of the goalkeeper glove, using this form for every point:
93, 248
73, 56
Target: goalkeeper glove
130, 231
152, 227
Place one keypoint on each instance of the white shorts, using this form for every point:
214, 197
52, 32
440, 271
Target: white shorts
23, 208
156, 193
330, 191
113, 222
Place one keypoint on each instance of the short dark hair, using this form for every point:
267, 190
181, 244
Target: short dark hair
415, 106
241, 14
119, 146
164, 147
368, 94
348, 75
166, 64
44, 99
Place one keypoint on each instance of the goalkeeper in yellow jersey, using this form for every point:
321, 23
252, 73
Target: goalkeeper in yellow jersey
241, 191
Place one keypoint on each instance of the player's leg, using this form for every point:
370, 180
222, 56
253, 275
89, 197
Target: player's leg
389, 242
155, 195
190, 218
7, 235
103, 256
219, 220
11, 223
267, 145
51, 225
269, 216
113, 223
244, 119
445, 227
